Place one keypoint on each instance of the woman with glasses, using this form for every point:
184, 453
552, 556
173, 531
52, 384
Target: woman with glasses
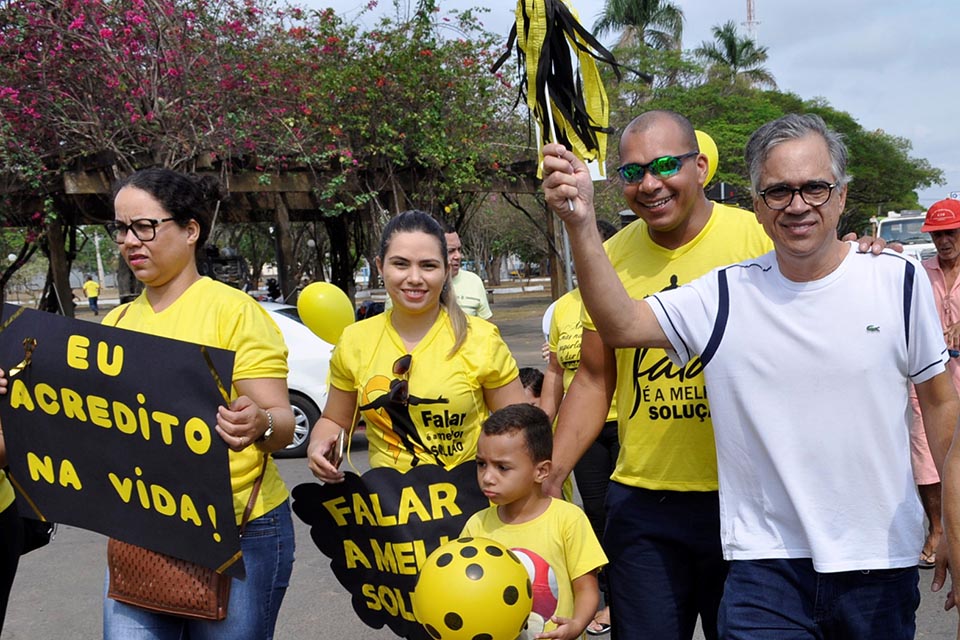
162, 220
423, 375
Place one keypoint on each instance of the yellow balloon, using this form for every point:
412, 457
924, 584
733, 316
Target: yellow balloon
473, 588
325, 309
708, 148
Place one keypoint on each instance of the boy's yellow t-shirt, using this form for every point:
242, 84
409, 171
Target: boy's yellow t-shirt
558, 546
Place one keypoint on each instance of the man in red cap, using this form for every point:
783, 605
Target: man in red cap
943, 224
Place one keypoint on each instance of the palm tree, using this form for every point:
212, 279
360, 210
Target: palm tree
657, 24
735, 59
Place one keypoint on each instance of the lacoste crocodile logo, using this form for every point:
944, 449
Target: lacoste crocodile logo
872, 328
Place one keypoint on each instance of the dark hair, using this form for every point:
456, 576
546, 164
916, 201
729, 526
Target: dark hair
529, 420
794, 126
532, 378
607, 229
419, 221
184, 196
447, 227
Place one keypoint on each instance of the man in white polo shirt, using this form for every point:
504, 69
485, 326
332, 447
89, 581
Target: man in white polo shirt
807, 353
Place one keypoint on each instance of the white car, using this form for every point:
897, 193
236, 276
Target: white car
309, 362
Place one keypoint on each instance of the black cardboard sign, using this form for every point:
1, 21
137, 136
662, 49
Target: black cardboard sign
113, 431
379, 528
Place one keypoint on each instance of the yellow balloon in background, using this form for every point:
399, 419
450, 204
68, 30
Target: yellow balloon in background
325, 309
708, 148
473, 588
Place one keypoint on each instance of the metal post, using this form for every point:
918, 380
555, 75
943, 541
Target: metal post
100, 274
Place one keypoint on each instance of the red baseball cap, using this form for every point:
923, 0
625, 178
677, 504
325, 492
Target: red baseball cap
943, 216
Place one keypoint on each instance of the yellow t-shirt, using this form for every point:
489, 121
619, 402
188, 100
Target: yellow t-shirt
441, 421
566, 330
666, 436
559, 541
216, 315
6, 491
471, 294
91, 289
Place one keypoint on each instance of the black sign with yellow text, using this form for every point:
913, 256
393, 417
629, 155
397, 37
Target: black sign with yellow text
379, 528
114, 431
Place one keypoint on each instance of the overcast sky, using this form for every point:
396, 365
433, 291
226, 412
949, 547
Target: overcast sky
891, 65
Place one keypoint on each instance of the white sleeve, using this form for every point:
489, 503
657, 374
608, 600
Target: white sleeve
926, 349
688, 316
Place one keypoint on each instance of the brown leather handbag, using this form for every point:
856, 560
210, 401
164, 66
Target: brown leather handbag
162, 583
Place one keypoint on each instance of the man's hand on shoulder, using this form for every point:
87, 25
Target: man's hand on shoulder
871, 244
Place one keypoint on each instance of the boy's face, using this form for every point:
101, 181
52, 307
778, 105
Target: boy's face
505, 471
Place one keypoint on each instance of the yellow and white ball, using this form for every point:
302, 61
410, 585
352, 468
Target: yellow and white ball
473, 589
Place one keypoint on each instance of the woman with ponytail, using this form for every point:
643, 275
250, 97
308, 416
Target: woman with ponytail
423, 375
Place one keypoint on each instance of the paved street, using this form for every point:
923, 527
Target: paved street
58, 591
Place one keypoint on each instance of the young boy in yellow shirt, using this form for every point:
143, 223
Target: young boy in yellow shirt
552, 538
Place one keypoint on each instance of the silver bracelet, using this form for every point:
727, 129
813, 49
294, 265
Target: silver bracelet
269, 432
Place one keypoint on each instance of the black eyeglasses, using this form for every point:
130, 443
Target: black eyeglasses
143, 229
663, 167
400, 387
779, 197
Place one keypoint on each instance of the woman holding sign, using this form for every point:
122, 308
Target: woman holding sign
423, 374
162, 220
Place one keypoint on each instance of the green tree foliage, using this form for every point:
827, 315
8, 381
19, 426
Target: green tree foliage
126, 84
735, 59
885, 175
657, 24
410, 106
401, 115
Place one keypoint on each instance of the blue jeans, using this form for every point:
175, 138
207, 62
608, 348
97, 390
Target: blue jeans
789, 600
267, 546
666, 567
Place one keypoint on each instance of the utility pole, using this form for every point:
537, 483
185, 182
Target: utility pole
752, 22
96, 244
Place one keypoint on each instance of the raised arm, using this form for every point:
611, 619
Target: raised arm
620, 320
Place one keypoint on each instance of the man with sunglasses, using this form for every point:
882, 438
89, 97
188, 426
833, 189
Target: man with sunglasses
662, 531
807, 352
